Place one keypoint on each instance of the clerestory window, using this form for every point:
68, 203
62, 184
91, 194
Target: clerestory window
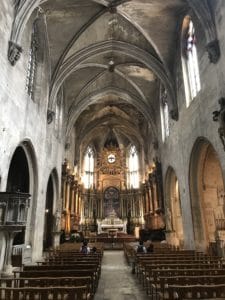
133, 168
88, 178
190, 65
164, 111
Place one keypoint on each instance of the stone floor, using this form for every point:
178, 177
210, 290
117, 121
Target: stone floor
117, 282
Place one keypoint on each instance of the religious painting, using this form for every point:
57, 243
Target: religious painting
111, 202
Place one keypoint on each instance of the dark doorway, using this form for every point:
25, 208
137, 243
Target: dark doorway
47, 242
19, 181
18, 177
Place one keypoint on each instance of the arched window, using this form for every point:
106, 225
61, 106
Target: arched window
133, 168
190, 66
164, 112
88, 178
32, 63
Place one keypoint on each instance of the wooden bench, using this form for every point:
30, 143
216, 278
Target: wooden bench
153, 281
163, 282
44, 293
59, 273
197, 291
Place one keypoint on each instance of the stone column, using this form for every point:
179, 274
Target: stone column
7, 268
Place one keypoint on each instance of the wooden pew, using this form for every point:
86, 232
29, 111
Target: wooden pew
153, 281
48, 282
213, 291
163, 282
94, 267
46, 293
59, 273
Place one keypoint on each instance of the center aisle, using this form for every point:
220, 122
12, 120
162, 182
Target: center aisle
117, 282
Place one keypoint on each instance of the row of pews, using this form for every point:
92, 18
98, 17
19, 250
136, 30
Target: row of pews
169, 273
64, 274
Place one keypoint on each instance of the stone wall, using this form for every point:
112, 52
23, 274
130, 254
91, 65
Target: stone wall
196, 120
23, 119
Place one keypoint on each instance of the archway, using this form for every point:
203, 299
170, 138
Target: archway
174, 224
18, 176
19, 181
207, 193
49, 218
23, 177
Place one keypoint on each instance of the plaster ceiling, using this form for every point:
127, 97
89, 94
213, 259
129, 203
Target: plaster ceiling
107, 88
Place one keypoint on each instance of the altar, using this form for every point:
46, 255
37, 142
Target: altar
112, 224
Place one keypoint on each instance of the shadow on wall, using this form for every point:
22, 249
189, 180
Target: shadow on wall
2, 249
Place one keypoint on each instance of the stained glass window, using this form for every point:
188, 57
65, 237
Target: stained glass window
88, 178
164, 111
133, 166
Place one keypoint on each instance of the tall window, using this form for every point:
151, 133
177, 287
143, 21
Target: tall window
88, 178
32, 63
190, 64
133, 166
164, 111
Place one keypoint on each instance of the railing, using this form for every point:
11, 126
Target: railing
13, 208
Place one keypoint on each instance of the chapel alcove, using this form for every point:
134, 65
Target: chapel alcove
207, 195
174, 224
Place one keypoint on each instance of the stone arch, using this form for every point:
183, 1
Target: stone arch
76, 109
173, 212
52, 212
29, 185
206, 191
73, 63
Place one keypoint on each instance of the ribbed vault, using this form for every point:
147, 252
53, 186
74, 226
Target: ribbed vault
110, 58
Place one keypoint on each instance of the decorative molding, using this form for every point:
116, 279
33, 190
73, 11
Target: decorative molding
112, 9
14, 52
67, 146
174, 114
50, 116
219, 116
213, 49
202, 10
155, 144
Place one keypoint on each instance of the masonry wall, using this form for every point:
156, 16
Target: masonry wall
23, 119
196, 120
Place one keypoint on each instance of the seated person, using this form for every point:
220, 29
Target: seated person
141, 248
150, 248
94, 250
84, 248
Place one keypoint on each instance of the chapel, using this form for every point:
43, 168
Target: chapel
112, 128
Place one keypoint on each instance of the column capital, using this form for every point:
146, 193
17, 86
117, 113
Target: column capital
14, 52
213, 50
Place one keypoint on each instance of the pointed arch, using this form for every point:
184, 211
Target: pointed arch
206, 190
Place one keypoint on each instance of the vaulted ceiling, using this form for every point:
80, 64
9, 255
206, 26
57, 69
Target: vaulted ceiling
110, 57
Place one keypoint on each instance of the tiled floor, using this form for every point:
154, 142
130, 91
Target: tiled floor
117, 282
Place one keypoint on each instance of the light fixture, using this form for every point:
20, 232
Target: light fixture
111, 65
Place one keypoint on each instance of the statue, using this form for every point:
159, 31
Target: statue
57, 218
219, 116
168, 219
213, 49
